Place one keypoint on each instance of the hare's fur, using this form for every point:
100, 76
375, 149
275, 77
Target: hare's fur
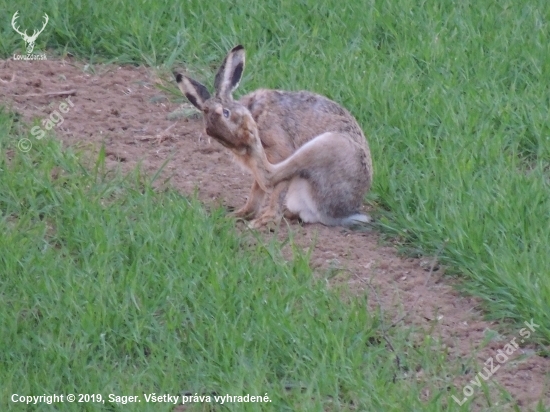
304, 150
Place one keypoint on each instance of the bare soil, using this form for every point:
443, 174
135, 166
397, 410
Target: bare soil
122, 108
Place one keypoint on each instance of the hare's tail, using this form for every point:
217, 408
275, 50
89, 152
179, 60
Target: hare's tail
356, 219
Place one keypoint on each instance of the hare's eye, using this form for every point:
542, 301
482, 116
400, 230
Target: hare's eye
225, 113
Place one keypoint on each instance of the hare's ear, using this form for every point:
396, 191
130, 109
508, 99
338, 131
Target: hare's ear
195, 92
230, 72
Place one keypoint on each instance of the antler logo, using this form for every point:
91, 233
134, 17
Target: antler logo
29, 40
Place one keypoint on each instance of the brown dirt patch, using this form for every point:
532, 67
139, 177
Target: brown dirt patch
121, 107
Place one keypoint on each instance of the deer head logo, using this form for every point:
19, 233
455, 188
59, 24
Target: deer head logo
29, 40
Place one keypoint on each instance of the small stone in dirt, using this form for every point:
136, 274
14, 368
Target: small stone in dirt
427, 265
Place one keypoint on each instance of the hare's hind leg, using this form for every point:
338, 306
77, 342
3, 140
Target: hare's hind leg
301, 201
328, 176
253, 203
317, 154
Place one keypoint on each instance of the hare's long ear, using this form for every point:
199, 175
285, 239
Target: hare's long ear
195, 92
230, 72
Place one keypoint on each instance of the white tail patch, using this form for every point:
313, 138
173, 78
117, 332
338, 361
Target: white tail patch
300, 202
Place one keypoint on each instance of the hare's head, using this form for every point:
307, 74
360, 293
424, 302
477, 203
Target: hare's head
226, 120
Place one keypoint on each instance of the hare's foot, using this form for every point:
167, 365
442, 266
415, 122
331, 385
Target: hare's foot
269, 220
291, 216
272, 213
253, 204
244, 212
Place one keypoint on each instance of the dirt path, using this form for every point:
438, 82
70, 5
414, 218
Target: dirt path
123, 108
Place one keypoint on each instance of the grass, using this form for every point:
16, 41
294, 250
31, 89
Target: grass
110, 287
454, 98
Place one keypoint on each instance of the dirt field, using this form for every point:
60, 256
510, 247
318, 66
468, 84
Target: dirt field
121, 107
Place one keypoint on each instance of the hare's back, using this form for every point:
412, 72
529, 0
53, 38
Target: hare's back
299, 116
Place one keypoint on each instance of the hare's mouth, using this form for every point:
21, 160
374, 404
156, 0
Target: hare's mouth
220, 139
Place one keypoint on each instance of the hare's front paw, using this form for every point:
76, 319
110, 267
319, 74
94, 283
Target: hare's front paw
244, 212
269, 220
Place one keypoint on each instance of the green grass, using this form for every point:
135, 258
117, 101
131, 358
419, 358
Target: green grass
110, 287
454, 97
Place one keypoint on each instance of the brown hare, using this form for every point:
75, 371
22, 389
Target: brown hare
306, 152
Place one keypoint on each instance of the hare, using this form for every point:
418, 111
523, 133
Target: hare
306, 152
